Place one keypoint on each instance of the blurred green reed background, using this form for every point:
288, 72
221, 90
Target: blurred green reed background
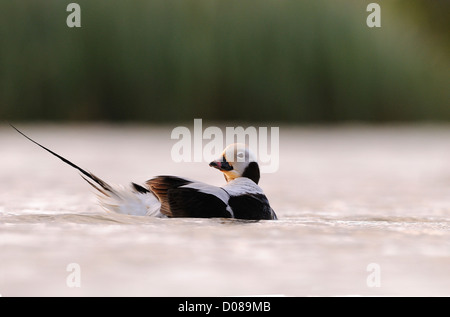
262, 60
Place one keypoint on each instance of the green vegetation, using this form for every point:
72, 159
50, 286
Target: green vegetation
262, 60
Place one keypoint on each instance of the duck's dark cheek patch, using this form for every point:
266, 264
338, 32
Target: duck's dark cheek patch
252, 172
225, 166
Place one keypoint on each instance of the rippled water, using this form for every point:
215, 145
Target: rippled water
346, 197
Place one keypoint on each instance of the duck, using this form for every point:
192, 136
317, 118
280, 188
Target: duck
168, 196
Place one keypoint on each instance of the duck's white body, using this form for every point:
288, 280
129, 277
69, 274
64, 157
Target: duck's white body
170, 196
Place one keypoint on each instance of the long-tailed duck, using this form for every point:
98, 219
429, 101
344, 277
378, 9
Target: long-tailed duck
171, 196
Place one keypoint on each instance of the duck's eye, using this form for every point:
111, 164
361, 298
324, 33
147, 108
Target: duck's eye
240, 157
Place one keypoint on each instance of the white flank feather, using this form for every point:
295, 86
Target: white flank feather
127, 201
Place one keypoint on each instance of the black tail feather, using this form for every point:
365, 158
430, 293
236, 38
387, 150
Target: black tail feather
140, 189
104, 187
100, 190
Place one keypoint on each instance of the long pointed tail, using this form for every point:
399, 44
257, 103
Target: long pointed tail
136, 200
102, 187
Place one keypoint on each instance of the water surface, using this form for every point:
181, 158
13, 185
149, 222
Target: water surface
346, 197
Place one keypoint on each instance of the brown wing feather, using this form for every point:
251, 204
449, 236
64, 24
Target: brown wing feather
160, 185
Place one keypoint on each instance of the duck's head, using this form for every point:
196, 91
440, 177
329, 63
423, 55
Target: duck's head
237, 161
